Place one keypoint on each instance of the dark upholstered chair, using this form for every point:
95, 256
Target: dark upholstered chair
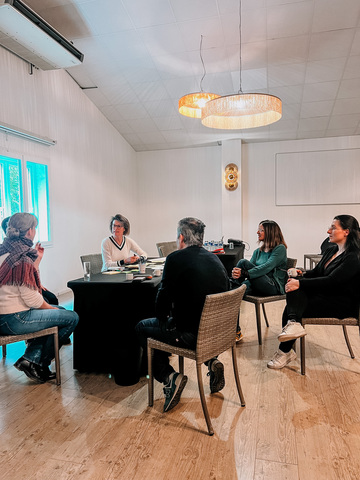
216, 334
7, 339
95, 260
257, 301
164, 248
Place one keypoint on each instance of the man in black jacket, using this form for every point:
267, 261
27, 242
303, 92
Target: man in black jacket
190, 273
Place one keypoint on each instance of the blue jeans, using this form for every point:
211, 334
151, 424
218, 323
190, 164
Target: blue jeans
263, 285
165, 332
40, 350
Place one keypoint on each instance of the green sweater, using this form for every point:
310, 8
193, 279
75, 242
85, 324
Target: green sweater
272, 264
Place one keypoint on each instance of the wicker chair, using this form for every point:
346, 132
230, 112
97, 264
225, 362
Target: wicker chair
164, 248
257, 301
95, 260
216, 334
7, 339
353, 321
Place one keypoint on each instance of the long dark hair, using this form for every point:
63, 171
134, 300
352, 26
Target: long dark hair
273, 235
348, 222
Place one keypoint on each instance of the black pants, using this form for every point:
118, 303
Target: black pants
49, 297
301, 304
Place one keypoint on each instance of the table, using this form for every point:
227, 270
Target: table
109, 307
231, 257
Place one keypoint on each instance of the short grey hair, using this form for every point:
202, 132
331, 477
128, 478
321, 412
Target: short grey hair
19, 224
192, 229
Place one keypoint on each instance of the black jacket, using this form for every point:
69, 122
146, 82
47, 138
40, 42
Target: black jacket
189, 275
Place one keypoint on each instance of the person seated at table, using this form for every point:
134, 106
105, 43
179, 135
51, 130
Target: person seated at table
119, 249
49, 297
22, 307
331, 289
265, 273
190, 274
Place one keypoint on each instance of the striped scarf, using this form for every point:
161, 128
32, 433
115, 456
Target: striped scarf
18, 267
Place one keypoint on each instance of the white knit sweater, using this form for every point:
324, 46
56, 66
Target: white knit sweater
112, 252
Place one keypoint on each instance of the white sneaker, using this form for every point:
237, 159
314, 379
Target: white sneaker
291, 331
280, 359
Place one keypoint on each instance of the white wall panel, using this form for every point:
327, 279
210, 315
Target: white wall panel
92, 168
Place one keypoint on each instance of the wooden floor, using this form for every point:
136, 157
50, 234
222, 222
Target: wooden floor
292, 427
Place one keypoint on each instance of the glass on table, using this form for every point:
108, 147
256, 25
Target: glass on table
86, 267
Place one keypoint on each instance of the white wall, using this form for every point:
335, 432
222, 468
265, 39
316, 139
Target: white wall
92, 168
94, 173
178, 183
304, 227
173, 184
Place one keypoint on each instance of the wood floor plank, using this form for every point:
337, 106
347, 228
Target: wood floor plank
293, 427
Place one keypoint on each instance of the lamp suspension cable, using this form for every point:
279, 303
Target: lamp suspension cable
240, 111
190, 105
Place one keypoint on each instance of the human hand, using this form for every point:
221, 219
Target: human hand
40, 249
291, 285
236, 273
132, 259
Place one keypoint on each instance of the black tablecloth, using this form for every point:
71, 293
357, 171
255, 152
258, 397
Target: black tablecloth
231, 257
109, 307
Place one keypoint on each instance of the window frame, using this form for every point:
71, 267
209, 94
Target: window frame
25, 190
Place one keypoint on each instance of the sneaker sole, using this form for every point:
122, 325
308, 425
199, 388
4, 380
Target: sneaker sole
285, 338
219, 382
176, 398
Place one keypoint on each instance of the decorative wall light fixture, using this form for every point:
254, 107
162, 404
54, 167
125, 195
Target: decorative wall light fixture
190, 105
231, 176
241, 110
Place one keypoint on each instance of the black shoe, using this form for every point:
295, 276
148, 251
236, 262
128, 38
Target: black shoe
173, 390
216, 373
47, 373
31, 370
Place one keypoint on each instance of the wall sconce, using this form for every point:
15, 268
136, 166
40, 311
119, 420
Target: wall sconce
231, 176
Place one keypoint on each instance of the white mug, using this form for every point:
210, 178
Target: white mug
129, 276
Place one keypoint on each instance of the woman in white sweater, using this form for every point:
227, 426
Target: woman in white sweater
119, 249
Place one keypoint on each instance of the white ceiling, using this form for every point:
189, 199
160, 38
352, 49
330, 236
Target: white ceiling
141, 56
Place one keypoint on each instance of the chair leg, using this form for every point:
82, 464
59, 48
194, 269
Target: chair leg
57, 358
237, 378
258, 322
348, 342
4, 350
150, 377
302, 355
202, 398
181, 364
265, 316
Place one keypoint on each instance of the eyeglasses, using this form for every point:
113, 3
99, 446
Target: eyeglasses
118, 226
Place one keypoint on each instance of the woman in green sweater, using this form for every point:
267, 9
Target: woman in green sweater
265, 273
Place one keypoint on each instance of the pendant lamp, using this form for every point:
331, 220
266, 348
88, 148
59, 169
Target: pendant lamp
190, 105
241, 110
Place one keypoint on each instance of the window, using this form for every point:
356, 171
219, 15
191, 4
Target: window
25, 192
